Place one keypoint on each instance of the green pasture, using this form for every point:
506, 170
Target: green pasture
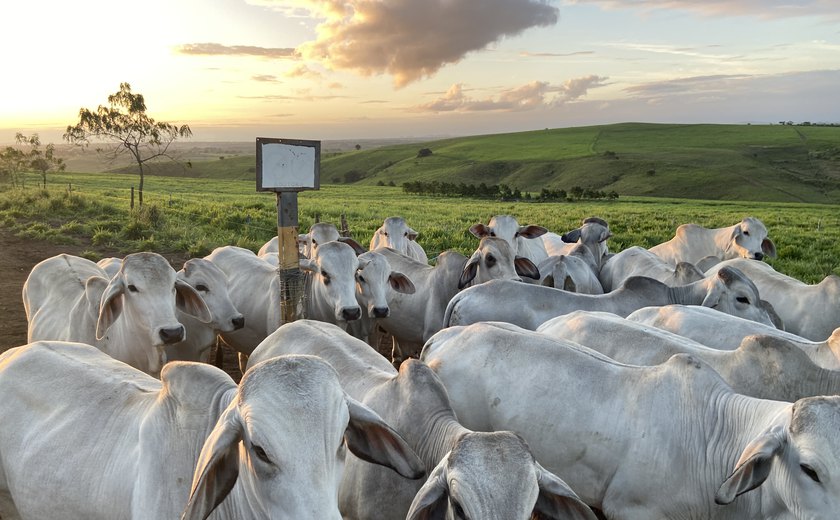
195, 215
779, 163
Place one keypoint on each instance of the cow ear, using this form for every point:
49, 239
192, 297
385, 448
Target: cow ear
753, 466
470, 270
412, 235
715, 292
357, 247
707, 262
218, 466
401, 283
525, 267
94, 288
768, 248
110, 306
531, 231
430, 503
548, 281
371, 439
480, 230
571, 237
605, 235
557, 500
189, 301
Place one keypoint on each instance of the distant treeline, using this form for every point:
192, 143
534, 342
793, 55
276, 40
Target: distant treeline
502, 192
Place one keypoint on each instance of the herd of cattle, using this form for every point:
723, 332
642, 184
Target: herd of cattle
555, 380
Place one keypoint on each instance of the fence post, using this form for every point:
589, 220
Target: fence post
345, 229
132, 197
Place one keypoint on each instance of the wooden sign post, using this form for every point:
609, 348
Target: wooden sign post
287, 166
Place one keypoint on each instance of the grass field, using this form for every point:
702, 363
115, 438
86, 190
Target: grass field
721, 162
196, 215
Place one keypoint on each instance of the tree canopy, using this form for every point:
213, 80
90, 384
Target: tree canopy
125, 124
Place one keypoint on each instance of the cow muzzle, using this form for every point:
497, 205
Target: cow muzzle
351, 313
380, 312
170, 335
238, 322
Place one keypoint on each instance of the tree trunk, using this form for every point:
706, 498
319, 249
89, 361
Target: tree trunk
140, 193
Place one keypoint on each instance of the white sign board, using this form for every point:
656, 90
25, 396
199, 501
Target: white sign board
288, 164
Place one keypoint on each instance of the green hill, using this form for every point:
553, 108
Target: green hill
723, 162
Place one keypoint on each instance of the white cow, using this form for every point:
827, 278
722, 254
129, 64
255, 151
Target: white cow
766, 367
471, 474
111, 265
530, 305
693, 243
523, 240
328, 295
415, 317
667, 442
130, 316
574, 272
593, 234
638, 261
396, 234
319, 233
723, 331
810, 311
83, 436
212, 284
373, 280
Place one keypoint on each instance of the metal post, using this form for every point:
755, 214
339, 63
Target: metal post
291, 278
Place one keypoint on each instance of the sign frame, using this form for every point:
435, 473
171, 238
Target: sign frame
300, 158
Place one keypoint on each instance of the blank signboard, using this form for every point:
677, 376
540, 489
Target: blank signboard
287, 164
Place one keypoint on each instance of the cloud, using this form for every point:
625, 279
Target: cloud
217, 49
267, 78
531, 96
412, 39
302, 71
554, 54
692, 85
769, 9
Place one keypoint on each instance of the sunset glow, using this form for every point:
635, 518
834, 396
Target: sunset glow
328, 69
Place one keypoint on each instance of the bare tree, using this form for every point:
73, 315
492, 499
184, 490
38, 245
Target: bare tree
125, 124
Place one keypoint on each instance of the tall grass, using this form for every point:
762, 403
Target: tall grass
193, 216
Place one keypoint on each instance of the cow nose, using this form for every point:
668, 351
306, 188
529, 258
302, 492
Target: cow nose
172, 335
352, 313
238, 322
381, 312
759, 256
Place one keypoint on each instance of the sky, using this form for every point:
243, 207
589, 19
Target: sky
234, 70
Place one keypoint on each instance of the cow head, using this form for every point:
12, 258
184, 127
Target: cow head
749, 240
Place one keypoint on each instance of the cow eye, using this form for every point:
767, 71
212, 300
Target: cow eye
491, 260
385, 233
492, 233
360, 278
260, 453
743, 299
201, 287
808, 470
326, 278
747, 233
132, 287
314, 243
